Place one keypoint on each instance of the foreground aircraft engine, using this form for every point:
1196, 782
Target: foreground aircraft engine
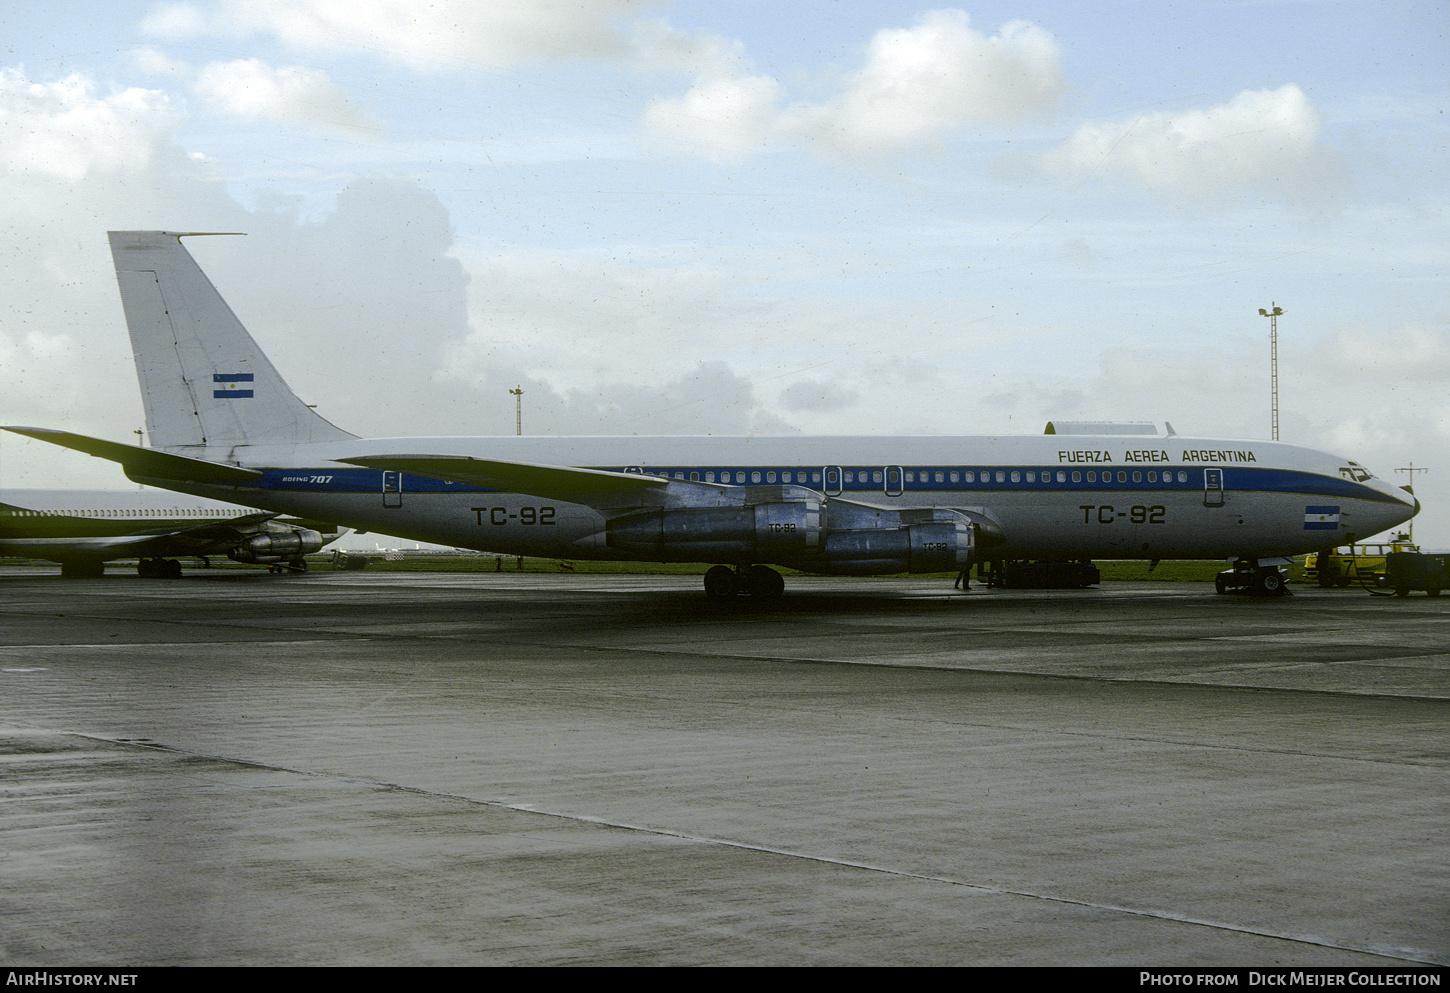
276, 547
796, 527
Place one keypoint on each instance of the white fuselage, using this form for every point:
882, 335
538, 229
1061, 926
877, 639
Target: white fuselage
1044, 496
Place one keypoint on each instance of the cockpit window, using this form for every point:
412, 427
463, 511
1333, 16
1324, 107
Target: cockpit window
1356, 472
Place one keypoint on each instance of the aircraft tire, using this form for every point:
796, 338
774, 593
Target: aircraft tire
764, 583
720, 582
1269, 582
1220, 585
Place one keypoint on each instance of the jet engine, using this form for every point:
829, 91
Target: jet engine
276, 546
764, 532
796, 527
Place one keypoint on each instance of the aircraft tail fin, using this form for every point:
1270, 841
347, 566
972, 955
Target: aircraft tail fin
204, 382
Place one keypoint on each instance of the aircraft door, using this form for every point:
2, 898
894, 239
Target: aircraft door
392, 489
1213, 487
893, 480
831, 480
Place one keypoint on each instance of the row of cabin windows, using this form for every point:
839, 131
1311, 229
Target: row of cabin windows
928, 476
128, 514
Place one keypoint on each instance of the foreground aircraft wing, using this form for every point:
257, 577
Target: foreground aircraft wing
209, 538
552, 481
144, 461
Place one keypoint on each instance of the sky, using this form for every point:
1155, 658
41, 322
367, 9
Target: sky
748, 217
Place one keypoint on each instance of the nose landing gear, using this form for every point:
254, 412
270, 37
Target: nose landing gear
1261, 577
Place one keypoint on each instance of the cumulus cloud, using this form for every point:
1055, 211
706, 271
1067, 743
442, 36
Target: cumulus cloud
917, 85
64, 130
423, 35
250, 88
1257, 138
721, 119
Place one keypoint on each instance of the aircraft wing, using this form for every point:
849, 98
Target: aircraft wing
64, 536
556, 482
144, 461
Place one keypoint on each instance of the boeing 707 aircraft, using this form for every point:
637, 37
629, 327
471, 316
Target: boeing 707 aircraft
84, 529
224, 424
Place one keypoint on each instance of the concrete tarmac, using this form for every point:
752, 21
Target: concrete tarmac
368, 768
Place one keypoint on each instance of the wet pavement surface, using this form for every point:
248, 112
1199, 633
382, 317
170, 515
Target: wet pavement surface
368, 768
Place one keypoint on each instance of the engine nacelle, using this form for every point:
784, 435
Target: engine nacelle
276, 546
942, 545
764, 532
834, 536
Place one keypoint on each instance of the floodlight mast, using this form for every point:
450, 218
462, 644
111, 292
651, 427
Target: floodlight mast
1412, 469
1273, 315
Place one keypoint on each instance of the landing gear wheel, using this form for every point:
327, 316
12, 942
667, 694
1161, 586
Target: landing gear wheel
764, 583
1269, 582
170, 568
720, 582
1220, 584
297, 565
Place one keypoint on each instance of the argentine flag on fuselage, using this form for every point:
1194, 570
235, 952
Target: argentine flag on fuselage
1321, 518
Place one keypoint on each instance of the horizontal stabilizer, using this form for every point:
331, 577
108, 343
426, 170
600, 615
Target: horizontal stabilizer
556, 482
144, 461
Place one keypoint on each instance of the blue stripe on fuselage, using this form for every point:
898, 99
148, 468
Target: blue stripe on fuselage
864, 480
349, 480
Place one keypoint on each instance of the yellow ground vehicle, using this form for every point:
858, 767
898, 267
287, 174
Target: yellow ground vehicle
1364, 564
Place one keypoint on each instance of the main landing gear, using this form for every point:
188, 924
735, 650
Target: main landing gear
761, 582
158, 569
294, 565
1259, 577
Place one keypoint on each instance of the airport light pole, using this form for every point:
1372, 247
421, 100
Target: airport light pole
518, 395
1273, 315
1411, 469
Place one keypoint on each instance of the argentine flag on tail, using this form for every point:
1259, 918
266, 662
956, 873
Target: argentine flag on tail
1321, 518
229, 389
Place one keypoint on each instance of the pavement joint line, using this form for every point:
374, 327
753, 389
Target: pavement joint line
1403, 955
972, 670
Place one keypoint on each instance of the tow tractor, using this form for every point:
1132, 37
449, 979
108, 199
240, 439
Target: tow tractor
1366, 564
1428, 571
